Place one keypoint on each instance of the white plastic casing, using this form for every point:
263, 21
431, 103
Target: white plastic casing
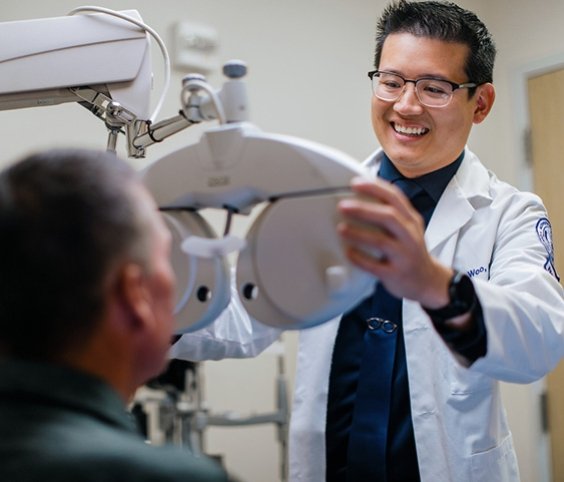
41, 58
292, 272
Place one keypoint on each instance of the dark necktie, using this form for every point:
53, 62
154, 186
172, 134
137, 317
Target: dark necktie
381, 319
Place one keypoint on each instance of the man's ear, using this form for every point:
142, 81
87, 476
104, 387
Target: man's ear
133, 294
485, 97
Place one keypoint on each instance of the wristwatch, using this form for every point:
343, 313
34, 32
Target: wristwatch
462, 299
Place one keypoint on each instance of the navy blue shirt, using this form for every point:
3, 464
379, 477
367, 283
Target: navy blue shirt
401, 452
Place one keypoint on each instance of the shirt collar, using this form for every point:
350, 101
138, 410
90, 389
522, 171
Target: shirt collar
434, 183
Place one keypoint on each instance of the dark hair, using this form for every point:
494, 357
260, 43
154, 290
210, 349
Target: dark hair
443, 21
66, 218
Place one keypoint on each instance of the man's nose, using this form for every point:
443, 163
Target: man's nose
408, 100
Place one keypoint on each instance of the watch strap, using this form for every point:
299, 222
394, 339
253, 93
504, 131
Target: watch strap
462, 299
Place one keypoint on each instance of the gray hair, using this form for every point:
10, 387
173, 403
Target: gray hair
67, 218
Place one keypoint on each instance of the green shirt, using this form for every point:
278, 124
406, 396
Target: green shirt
59, 425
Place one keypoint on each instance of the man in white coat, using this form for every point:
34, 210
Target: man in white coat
406, 385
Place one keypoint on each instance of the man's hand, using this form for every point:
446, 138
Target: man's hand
385, 236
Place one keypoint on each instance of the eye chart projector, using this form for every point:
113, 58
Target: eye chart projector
290, 268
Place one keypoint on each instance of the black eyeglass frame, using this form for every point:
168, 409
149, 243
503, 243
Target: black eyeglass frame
454, 85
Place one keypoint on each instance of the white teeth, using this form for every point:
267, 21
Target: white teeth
412, 131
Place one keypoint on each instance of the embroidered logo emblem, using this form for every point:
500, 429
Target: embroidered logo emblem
544, 231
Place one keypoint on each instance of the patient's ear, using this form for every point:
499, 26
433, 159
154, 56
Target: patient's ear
133, 294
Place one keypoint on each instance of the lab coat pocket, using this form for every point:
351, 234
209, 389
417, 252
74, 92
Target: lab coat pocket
498, 464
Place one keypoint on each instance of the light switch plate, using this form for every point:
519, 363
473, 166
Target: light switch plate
195, 47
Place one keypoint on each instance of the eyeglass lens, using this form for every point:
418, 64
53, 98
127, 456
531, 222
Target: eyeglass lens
431, 92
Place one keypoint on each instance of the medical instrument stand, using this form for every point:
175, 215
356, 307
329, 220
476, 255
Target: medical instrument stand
174, 410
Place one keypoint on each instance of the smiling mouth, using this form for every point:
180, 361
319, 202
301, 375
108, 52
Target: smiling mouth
410, 131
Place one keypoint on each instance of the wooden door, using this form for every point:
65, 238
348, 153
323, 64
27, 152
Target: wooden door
546, 108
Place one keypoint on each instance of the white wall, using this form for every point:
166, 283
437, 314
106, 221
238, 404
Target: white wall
307, 77
527, 33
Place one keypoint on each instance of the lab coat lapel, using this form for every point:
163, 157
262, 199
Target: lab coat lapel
453, 211
467, 191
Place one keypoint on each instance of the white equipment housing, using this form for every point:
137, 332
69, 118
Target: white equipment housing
291, 270
44, 61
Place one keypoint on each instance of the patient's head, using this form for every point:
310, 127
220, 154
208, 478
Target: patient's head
82, 243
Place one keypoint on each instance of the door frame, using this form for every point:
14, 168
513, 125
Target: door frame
519, 93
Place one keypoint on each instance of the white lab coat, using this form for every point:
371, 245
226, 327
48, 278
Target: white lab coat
488, 229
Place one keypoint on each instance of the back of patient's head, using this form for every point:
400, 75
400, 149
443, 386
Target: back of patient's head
67, 218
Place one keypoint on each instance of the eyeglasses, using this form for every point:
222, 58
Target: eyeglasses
431, 92
386, 326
